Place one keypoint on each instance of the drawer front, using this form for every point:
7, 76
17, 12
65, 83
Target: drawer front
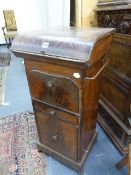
56, 134
54, 89
54, 112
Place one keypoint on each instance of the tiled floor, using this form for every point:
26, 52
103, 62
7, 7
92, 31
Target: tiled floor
103, 155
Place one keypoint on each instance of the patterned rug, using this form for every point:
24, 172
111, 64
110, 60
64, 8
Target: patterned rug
3, 74
18, 152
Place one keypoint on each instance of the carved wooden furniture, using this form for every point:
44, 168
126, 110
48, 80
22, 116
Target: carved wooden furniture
115, 101
63, 69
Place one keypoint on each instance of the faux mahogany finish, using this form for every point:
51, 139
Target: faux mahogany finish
65, 91
54, 133
49, 88
115, 101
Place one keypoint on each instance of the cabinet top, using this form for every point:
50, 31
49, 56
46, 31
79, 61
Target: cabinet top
71, 43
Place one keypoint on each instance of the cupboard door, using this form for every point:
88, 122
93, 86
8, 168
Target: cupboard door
53, 89
56, 134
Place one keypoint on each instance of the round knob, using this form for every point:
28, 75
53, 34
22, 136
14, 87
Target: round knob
124, 27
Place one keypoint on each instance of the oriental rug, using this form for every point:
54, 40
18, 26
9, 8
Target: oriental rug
3, 74
18, 151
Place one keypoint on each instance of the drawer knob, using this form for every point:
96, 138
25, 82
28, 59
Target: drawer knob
55, 137
50, 84
52, 113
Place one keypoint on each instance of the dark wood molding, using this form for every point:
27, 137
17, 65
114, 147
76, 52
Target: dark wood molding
118, 19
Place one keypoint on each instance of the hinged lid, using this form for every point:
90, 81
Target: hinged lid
72, 43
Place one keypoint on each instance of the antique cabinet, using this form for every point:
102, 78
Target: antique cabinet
115, 101
63, 69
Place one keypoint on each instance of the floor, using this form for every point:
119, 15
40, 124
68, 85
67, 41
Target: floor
103, 155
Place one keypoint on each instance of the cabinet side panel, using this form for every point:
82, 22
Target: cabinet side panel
90, 109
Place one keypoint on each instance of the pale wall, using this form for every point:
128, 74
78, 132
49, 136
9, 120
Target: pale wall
36, 14
85, 14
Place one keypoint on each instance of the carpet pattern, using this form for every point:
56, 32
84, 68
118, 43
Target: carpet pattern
18, 151
3, 75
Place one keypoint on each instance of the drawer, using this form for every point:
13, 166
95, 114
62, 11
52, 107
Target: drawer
54, 112
56, 134
53, 89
